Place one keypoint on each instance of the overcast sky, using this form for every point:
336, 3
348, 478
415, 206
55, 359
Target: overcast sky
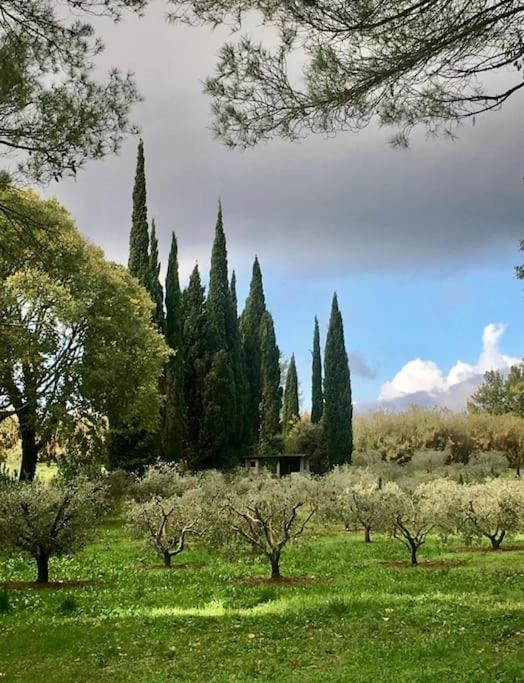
420, 244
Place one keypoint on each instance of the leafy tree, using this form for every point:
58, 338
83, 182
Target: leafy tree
174, 407
139, 263
308, 438
271, 397
155, 288
290, 411
402, 64
76, 341
338, 409
268, 513
317, 396
55, 116
161, 480
47, 520
166, 523
499, 394
250, 324
493, 510
195, 365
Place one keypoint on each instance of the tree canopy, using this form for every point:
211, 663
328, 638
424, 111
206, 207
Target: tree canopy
403, 63
76, 339
55, 115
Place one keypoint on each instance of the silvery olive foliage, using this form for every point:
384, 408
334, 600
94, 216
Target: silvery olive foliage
44, 520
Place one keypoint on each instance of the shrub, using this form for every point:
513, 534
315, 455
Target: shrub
46, 520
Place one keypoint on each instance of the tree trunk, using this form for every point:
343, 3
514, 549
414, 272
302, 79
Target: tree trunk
167, 558
275, 567
496, 542
414, 560
367, 534
42, 563
29, 450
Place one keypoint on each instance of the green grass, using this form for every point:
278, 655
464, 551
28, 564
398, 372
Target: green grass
361, 621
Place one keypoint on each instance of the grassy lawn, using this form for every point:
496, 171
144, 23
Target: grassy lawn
358, 620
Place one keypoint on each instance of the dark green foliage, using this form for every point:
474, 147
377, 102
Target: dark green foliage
250, 332
338, 409
130, 449
271, 391
138, 263
5, 604
291, 409
239, 370
218, 298
219, 420
221, 425
174, 408
155, 288
195, 365
308, 438
317, 396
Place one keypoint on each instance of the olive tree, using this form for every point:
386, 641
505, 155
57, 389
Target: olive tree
493, 510
45, 520
268, 513
166, 523
409, 515
163, 480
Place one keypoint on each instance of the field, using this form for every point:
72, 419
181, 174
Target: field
355, 619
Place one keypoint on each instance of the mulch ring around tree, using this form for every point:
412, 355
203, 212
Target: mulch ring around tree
488, 549
50, 585
423, 564
282, 581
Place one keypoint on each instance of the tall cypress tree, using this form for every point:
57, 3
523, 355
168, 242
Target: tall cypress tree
138, 263
338, 409
174, 409
239, 370
220, 424
290, 412
155, 288
250, 332
317, 396
196, 359
271, 391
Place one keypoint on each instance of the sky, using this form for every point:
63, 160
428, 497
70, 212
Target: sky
419, 244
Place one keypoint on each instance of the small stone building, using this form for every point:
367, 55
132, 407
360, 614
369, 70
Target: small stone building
281, 464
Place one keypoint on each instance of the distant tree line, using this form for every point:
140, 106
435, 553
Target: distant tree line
224, 397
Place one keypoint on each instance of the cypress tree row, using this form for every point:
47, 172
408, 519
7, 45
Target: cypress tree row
317, 396
196, 357
250, 333
138, 263
290, 412
174, 410
155, 288
220, 426
338, 409
271, 391
239, 371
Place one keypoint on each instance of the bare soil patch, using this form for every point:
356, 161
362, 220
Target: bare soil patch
486, 549
424, 564
51, 585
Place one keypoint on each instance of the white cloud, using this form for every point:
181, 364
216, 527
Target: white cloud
424, 382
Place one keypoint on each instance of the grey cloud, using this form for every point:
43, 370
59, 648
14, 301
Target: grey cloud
360, 367
348, 204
